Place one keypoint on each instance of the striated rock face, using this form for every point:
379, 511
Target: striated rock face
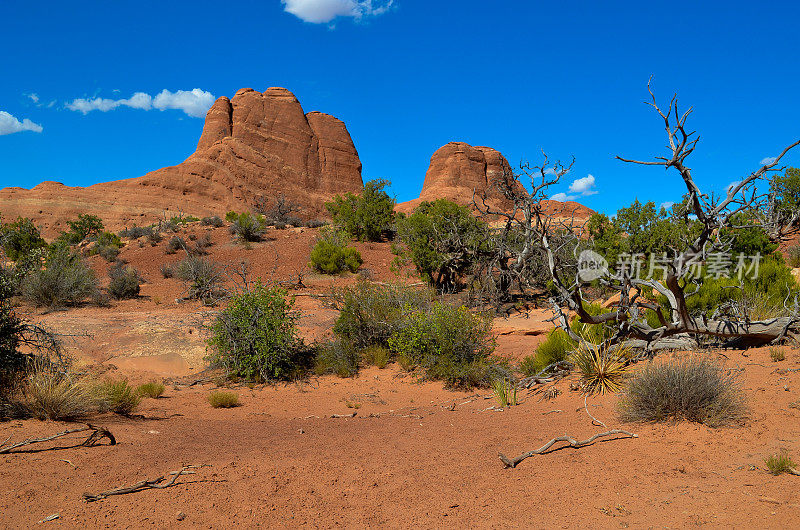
255, 145
457, 169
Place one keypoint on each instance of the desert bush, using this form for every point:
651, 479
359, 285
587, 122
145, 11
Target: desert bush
337, 357
505, 392
793, 256
601, 370
201, 245
331, 255
281, 212
152, 389
84, 226
167, 271
223, 400
203, 278
125, 281
780, 463
690, 388
118, 397
64, 280
366, 217
554, 349
52, 395
449, 343
175, 244
20, 238
255, 337
231, 216
376, 355
213, 220
370, 313
248, 227
777, 354
315, 223
135, 232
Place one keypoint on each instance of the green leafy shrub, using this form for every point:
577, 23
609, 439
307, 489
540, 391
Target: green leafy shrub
337, 357
64, 280
255, 337
442, 239
20, 238
451, 344
152, 389
223, 400
231, 216
213, 220
370, 313
690, 388
80, 229
376, 355
125, 281
366, 217
248, 227
118, 397
331, 255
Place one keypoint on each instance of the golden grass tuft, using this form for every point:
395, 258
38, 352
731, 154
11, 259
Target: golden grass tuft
223, 400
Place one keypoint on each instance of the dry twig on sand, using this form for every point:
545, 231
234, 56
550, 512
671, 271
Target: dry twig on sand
156, 483
512, 462
98, 433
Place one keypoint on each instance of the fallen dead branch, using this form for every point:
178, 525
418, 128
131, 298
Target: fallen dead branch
97, 434
353, 415
512, 462
156, 483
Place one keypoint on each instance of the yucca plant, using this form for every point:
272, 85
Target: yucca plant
601, 370
505, 391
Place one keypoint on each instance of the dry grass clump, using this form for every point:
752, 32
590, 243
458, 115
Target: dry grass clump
223, 400
152, 389
691, 388
777, 354
51, 395
601, 370
118, 397
781, 463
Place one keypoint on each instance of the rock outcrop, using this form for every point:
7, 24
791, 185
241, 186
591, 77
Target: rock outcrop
254, 146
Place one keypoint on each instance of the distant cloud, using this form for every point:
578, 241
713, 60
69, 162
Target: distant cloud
194, 103
324, 11
582, 187
562, 197
767, 160
667, 205
33, 97
10, 125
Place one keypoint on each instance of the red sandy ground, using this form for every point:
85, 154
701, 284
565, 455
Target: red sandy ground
281, 460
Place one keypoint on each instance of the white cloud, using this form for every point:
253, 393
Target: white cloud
562, 197
33, 97
767, 160
583, 186
667, 205
732, 185
9, 124
194, 103
323, 11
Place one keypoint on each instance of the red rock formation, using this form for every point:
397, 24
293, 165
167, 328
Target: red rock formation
253, 145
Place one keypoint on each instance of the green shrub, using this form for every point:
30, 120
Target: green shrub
231, 216
248, 227
213, 220
202, 276
118, 397
337, 357
370, 313
223, 400
691, 388
125, 281
20, 238
332, 256
65, 279
442, 239
255, 337
793, 256
135, 232
366, 217
505, 392
781, 463
152, 389
84, 226
449, 343
376, 355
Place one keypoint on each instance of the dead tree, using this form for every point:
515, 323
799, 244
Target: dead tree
541, 233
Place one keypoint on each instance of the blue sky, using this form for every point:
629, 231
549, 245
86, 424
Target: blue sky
406, 77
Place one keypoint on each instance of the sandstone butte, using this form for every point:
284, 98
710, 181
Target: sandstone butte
257, 144
457, 169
